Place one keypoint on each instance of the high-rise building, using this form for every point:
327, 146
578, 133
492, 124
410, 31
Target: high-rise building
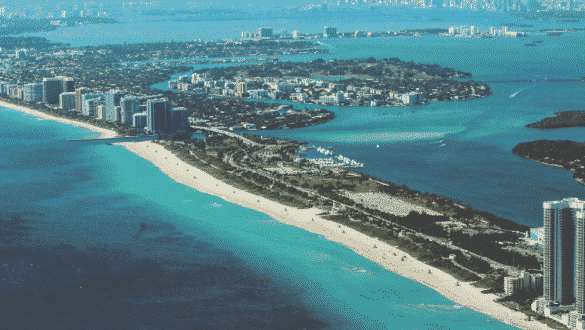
130, 105
563, 257
68, 85
117, 113
91, 107
580, 262
139, 120
330, 32
86, 97
113, 98
265, 33
101, 112
33, 92
296, 34
78, 100
177, 120
52, 88
156, 111
21, 53
241, 87
67, 101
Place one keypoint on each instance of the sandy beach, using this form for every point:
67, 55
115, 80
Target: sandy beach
105, 133
307, 219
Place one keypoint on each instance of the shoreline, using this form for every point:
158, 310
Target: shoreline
307, 219
105, 133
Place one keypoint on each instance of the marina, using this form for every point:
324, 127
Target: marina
335, 161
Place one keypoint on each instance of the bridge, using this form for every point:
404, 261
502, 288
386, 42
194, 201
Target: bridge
230, 134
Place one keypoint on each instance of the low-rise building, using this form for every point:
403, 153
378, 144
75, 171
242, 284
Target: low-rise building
524, 282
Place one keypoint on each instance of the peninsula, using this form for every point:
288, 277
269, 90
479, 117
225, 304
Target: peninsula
454, 244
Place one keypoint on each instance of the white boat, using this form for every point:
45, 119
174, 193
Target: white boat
377, 146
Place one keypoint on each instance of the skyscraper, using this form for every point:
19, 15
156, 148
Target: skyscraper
330, 32
177, 120
68, 84
139, 120
33, 92
156, 113
85, 110
67, 100
265, 33
580, 263
78, 94
91, 107
52, 88
563, 251
130, 105
113, 98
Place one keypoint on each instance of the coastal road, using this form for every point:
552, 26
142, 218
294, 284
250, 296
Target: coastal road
511, 270
230, 134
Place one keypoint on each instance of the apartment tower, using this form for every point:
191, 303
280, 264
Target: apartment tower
564, 254
156, 113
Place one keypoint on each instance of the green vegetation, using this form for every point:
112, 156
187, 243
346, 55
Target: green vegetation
562, 119
493, 281
567, 154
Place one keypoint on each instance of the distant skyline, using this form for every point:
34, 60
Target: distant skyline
126, 5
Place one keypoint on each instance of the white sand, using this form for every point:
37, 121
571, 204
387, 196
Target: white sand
106, 133
307, 219
383, 254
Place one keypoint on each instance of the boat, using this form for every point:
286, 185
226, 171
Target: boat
377, 146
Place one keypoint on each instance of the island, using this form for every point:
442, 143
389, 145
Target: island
357, 82
562, 119
564, 154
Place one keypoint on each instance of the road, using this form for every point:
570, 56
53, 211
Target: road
494, 264
219, 131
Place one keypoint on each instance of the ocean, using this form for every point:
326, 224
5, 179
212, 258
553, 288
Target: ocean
94, 236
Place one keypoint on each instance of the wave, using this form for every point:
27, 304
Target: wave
216, 205
517, 92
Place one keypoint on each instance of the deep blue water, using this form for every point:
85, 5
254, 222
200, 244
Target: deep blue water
96, 237
93, 236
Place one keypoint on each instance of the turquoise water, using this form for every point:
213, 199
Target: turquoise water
462, 150
94, 235
103, 227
